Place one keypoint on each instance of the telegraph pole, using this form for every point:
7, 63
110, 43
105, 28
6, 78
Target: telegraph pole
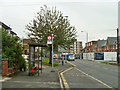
118, 46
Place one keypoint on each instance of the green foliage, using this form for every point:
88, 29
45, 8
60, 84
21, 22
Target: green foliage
12, 50
46, 61
51, 21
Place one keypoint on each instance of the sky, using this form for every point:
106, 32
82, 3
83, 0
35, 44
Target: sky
97, 17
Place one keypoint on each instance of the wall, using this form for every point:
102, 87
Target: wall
4, 67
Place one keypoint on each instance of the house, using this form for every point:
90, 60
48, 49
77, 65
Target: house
101, 45
111, 44
26, 45
89, 47
8, 29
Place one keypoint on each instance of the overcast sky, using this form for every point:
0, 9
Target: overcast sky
98, 17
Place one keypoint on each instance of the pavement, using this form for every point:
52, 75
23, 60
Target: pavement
47, 79
90, 74
0, 81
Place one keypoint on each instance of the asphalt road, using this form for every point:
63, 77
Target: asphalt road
91, 74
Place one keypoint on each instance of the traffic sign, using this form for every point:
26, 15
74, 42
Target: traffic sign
52, 34
49, 37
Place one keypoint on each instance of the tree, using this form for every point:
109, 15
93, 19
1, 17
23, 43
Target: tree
12, 50
50, 21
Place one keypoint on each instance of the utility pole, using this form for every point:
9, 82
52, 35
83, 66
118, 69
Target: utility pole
118, 46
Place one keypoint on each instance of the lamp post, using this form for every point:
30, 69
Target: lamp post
86, 39
86, 35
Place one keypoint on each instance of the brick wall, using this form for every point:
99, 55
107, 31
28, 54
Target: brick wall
4, 67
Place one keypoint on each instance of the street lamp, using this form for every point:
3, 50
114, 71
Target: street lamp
86, 39
86, 35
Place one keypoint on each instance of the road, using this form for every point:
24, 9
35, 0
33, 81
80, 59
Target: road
91, 74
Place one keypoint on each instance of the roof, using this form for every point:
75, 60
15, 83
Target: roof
102, 43
5, 26
112, 40
13, 33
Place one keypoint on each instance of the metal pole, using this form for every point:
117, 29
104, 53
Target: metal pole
52, 51
38, 61
41, 59
117, 46
87, 42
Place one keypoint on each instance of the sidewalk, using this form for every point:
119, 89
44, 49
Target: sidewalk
47, 79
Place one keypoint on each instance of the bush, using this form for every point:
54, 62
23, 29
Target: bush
12, 50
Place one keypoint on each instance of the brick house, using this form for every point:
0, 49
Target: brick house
26, 45
101, 45
89, 47
111, 44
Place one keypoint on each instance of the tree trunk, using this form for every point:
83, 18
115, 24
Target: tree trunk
50, 61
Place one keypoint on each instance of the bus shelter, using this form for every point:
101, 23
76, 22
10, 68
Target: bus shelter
35, 58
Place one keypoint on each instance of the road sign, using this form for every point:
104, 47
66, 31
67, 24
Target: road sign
49, 41
49, 38
52, 34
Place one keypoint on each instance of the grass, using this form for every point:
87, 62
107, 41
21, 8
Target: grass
110, 62
46, 61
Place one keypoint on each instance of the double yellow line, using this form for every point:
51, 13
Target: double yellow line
63, 78
66, 84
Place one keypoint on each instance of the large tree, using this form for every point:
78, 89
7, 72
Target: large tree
50, 21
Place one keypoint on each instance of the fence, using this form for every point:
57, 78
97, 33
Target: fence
106, 56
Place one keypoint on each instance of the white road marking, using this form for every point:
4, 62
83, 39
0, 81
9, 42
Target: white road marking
5, 79
94, 78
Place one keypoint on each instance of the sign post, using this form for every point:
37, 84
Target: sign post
52, 49
50, 41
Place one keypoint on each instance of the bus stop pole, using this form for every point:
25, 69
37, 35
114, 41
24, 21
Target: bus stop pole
52, 51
